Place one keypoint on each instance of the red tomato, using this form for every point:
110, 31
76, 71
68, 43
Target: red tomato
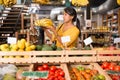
105, 65
53, 68
40, 68
111, 67
62, 73
56, 78
51, 72
61, 78
51, 78
115, 77
45, 66
117, 68
112, 63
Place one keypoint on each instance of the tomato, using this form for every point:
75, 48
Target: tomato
45, 66
56, 78
51, 72
117, 68
40, 68
61, 78
53, 68
111, 67
115, 77
62, 73
51, 78
105, 65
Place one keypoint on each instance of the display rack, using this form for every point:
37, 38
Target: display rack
61, 58
106, 34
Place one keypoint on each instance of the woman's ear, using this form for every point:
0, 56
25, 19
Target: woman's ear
72, 17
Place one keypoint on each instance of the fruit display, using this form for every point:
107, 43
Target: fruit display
21, 45
45, 22
54, 72
85, 72
7, 3
80, 2
112, 68
41, 1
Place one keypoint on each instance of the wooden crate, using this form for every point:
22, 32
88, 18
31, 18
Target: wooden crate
108, 55
81, 56
91, 66
48, 57
58, 65
19, 59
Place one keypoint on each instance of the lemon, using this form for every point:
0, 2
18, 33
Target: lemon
23, 40
20, 50
33, 47
28, 49
27, 44
4, 47
21, 45
14, 47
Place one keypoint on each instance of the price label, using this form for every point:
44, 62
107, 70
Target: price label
35, 74
88, 41
65, 39
11, 40
116, 40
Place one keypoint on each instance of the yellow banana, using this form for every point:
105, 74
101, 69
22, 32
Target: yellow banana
80, 2
118, 2
45, 22
1, 2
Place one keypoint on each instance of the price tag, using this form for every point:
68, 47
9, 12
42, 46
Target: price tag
11, 40
35, 74
116, 40
88, 41
65, 39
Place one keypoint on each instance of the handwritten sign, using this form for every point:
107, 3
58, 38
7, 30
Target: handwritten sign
11, 40
116, 40
65, 39
88, 41
35, 74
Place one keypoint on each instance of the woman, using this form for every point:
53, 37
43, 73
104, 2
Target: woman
66, 29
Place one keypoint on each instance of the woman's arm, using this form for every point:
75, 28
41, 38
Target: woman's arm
53, 36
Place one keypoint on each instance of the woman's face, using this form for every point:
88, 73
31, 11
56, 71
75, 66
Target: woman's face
67, 18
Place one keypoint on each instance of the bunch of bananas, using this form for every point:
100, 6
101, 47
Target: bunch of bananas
41, 1
118, 2
80, 2
7, 3
45, 22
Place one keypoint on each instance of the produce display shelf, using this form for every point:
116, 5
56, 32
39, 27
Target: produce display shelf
48, 57
15, 57
108, 55
64, 56
81, 56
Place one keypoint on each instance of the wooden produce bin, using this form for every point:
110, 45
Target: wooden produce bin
48, 57
63, 66
92, 66
81, 56
15, 57
108, 55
